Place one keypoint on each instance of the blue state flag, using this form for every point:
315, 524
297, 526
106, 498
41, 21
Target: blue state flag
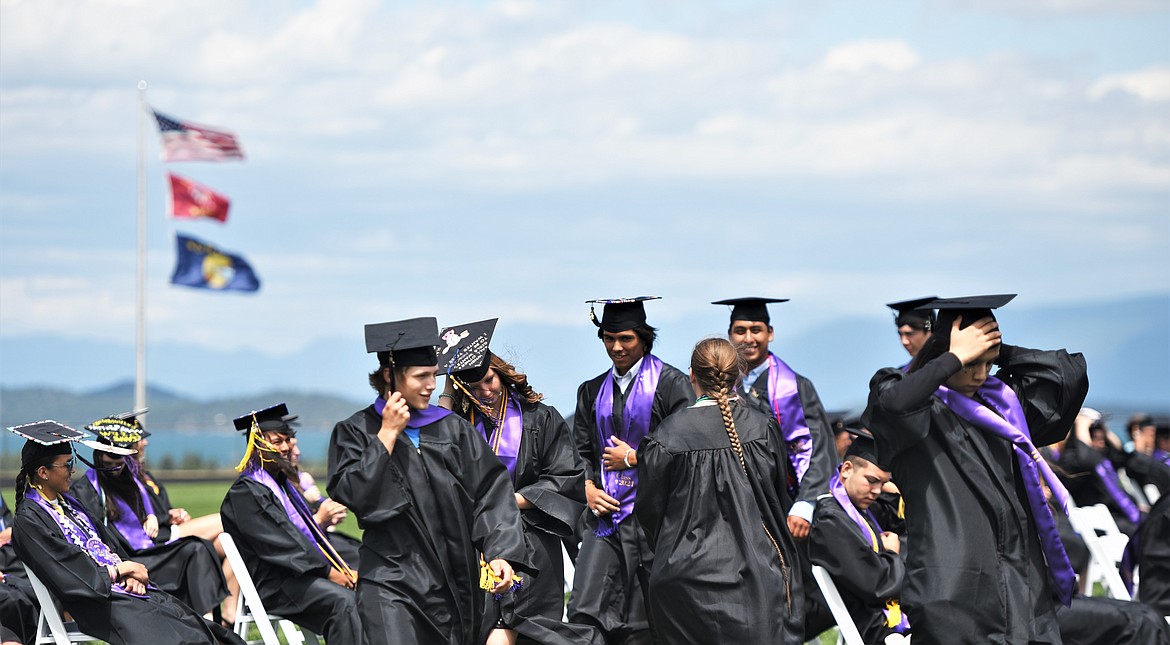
203, 266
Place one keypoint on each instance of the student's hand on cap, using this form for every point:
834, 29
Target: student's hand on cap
394, 418
798, 527
151, 526
503, 571
974, 340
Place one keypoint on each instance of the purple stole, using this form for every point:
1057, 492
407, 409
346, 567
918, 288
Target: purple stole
622, 485
294, 512
1107, 475
80, 532
892, 611
127, 522
1003, 417
418, 418
785, 401
505, 440
1163, 457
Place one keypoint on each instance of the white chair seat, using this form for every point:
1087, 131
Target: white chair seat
51, 627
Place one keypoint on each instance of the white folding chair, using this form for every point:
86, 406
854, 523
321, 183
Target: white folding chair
849, 635
51, 628
250, 609
1106, 544
569, 572
1152, 493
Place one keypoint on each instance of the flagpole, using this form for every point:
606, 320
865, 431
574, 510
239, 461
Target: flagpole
140, 333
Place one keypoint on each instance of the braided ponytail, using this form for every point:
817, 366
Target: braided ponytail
716, 366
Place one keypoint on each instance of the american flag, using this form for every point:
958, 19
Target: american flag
190, 142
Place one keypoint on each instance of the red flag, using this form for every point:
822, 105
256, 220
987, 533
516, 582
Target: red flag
192, 199
190, 142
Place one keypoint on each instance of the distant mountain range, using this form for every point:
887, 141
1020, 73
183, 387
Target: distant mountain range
1126, 344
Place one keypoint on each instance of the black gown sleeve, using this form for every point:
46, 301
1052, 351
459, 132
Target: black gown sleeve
496, 529
584, 427
362, 476
558, 494
261, 521
1051, 385
836, 545
898, 412
823, 461
674, 392
654, 484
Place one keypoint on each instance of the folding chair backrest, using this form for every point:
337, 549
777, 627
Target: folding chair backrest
50, 617
845, 624
249, 608
1106, 549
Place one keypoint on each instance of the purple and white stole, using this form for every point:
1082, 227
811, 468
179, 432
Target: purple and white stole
505, 439
785, 401
895, 618
1003, 417
622, 485
80, 532
127, 522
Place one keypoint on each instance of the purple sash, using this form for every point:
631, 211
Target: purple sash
418, 418
1003, 417
127, 522
1108, 477
622, 485
1162, 456
837, 489
505, 441
81, 533
256, 473
785, 400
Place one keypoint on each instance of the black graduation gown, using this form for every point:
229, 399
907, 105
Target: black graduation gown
608, 579
548, 474
83, 587
288, 569
716, 576
187, 568
427, 514
18, 607
1154, 558
866, 579
823, 461
975, 570
1095, 621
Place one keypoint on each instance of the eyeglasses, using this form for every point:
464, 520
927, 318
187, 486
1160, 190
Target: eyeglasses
68, 464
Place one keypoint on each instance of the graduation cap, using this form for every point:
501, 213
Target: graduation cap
841, 422
49, 438
971, 308
620, 314
122, 430
752, 309
404, 343
907, 312
464, 351
274, 418
864, 446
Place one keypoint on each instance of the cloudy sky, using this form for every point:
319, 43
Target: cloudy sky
515, 158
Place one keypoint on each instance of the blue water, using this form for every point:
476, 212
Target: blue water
224, 448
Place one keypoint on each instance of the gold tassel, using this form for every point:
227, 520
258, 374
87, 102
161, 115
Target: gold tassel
894, 613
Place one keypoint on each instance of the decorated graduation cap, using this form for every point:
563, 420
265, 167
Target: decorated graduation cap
121, 430
753, 309
971, 308
864, 446
907, 312
404, 343
274, 418
49, 438
620, 314
464, 350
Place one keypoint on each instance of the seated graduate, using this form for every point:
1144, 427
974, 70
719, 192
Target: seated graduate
1087, 461
297, 572
18, 602
327, 512
1144, 465
712, 500
535, 445
185, 567
110, 597
434, 501
847, 540
985, 562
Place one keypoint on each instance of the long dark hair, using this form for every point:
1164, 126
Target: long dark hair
122, 485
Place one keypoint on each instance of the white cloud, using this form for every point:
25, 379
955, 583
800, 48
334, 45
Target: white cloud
1150, 84
868, 55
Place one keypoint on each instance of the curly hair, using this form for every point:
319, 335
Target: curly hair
514, 380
